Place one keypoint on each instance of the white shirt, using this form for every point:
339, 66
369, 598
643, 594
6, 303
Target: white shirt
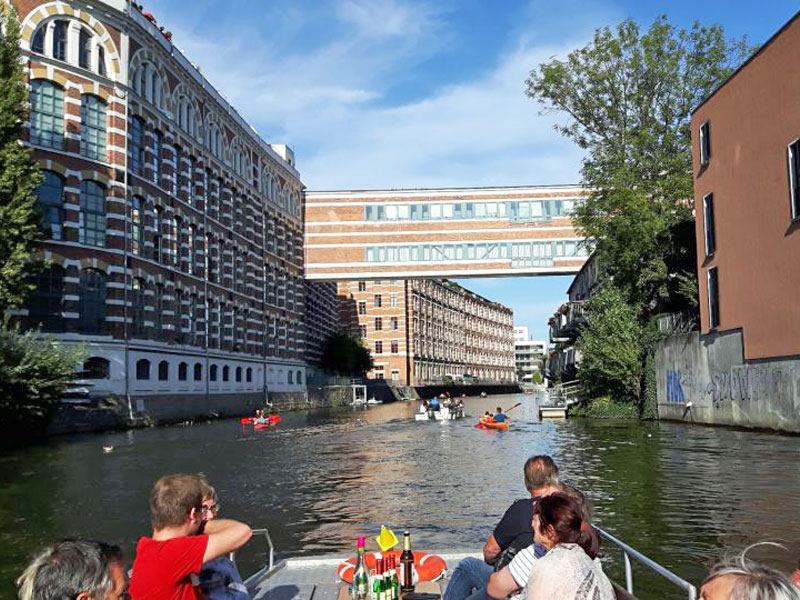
567, 573
520, 568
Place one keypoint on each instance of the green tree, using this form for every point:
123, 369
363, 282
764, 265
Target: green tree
628, 96
536, 378
611, 346
19, 174
345, 355
33, 374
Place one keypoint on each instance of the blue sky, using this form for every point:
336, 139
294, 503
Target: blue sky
391, 93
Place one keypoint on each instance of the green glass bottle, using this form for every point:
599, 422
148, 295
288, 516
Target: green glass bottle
360, 587
378, 587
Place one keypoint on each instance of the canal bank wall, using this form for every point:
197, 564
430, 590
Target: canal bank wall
705, 379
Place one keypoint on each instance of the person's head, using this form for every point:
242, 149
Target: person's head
742, 579
498, 409
540, 472
210, 502
75, 569
557, 519
177, 500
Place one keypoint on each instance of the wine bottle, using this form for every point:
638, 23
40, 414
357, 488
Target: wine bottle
360, 587
378, 589
407, 564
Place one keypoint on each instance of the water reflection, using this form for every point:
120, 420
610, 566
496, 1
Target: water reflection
678, 493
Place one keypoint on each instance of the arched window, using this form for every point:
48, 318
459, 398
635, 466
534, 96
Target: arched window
37, 41
163, 371
226, 373
101, 61
84, 49
93, 213
142, 369
50, 201
137, 224
183, 371
137, 156
96, 367
138, 303
212, 373
239, 374
47, 114
60, 40
45, 302
92, 303
93, 127
158, 149
299, 377
290, 374
198, 372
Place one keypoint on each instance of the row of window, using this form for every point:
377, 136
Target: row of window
143, 368
515, 210
521, 254
394, 347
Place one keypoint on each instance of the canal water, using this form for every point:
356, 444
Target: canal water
682, 494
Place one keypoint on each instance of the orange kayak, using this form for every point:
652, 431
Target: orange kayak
486, 423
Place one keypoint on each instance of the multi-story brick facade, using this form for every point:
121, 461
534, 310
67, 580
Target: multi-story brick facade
176, 245
443, 232
322, 317
429, 330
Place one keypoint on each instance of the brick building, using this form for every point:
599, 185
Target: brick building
442, 232
428, 330
175, 231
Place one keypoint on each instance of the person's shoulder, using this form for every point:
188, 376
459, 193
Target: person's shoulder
522, 504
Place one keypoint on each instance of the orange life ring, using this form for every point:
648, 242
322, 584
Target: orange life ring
427, 567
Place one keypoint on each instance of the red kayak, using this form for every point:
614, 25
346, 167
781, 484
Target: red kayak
487, 423
273, 419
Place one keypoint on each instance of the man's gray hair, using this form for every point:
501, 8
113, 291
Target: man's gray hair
755, 581
68, 568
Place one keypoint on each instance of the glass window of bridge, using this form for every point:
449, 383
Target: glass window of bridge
183, 371
239, 374
50, 201
93, 213
198, 372
142, 369
226, 373
47, 114
163, 371
97, 367
212, 373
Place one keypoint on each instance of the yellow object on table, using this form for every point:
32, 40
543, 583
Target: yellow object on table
386, 539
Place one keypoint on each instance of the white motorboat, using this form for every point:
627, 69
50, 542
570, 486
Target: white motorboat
443, 414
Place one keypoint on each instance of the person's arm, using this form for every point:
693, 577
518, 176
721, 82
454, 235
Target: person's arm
491, 550
224, 536
501, 584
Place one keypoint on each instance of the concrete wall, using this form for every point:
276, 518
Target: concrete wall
710, 372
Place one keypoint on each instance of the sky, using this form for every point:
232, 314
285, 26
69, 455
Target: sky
420, 93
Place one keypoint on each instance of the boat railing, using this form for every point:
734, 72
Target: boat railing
629, 553
270, 546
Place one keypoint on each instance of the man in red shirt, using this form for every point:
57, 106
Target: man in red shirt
167, 564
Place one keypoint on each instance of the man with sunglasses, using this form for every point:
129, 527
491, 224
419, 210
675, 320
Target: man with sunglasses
219, 579
167, 564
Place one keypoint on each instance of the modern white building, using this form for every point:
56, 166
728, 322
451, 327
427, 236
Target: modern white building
529, 354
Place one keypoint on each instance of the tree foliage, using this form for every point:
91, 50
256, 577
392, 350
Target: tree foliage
19, 175
345, 355
33, 375
628, 95
611, 347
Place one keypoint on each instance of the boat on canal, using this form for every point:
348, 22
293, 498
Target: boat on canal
315, 577
443, 414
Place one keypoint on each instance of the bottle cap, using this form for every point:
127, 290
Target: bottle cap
361, 541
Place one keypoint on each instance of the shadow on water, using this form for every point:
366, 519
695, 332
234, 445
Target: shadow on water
678, 493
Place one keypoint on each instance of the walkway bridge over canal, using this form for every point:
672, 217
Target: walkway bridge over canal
443, 233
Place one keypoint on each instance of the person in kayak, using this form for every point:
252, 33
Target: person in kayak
500, 416
261, 418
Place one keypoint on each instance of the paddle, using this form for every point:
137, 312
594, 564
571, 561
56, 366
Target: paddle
505, 411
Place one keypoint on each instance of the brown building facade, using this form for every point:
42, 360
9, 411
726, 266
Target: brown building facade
175, 232
425, 330
442, 232
747, 200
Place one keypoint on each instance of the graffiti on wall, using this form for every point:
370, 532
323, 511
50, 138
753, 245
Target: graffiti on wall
748, 383
674, 387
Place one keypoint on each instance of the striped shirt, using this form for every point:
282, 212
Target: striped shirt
521, 566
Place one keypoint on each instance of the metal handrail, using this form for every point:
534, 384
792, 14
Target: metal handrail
263, 532
629, 552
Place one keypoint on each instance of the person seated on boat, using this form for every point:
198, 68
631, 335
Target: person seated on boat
488, 416
219, 578
80, 569
512, 579
168, 563
513, 533
570, 569
500, 416
433, 407
261, 418
423, 408
743, 578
